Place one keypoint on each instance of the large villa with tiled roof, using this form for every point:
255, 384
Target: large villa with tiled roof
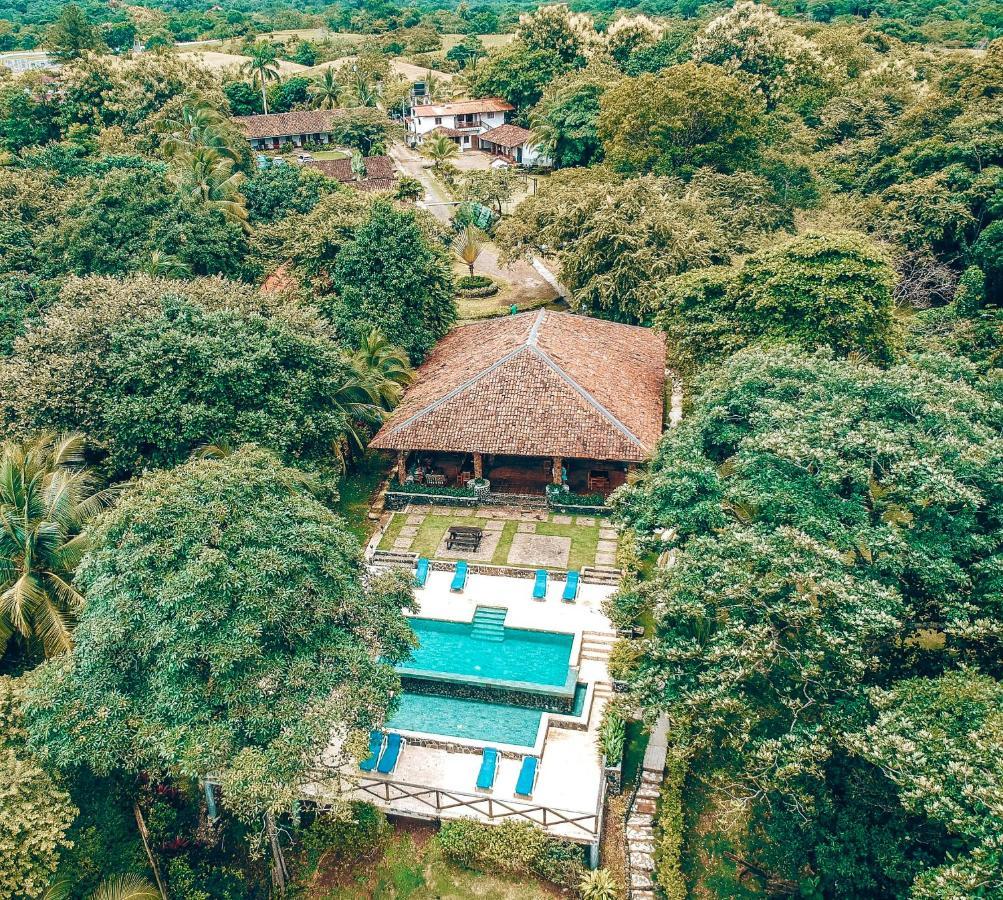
529, 400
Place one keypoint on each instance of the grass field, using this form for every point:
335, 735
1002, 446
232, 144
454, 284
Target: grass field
584, 538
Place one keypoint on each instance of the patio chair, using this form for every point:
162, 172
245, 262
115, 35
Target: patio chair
391, 754
571, 587
526, 784
459, 577
489, 769
540, 585
376, 742
421, 572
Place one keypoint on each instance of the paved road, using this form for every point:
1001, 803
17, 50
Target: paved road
527, 284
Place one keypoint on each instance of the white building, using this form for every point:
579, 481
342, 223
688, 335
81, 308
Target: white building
27, 61
463, 121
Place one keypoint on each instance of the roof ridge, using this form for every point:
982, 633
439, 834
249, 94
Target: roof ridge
470, 382
587, 396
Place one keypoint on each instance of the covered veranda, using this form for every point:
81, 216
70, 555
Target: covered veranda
531, 400
511, 474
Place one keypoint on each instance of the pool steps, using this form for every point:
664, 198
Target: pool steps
489, 623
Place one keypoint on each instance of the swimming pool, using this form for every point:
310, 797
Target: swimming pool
520, 655
474, 720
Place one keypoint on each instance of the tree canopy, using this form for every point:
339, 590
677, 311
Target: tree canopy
227, 633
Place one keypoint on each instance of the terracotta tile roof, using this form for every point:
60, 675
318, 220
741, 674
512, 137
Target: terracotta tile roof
463, 107
309, 121
444, 131
507, 136
536, 384
281, 281
380, 172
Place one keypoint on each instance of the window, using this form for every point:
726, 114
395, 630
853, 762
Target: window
438, 120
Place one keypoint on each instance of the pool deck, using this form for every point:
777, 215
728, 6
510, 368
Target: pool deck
439, 782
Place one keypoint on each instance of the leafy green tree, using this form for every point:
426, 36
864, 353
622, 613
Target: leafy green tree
564, 121
245, 368
831, 289
366, 130
516, 73
615, 240
679, 120
305, 53
555, 28
72, 35
467, 52
987, 254
242, 99
35, 812
47, 497
26, 118
391, 277
292, 93
938, 740
228, 632
830, 517
277, 191
23, 300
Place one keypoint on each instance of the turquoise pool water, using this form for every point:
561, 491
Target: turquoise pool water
539, 657
471, 719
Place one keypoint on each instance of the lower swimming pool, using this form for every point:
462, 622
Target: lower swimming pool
509, 654
474, 720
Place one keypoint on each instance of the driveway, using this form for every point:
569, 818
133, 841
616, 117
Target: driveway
527, 285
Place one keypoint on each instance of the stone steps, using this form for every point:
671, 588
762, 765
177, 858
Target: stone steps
392, 558
601, 575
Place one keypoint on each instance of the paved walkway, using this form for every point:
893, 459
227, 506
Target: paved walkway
525, 551
527, 283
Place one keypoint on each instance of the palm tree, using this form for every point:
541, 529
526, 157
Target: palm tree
468, 245
164, 265
357, 398
126, 887
47, 497
199, 126
208, 177
326, 92
436, 87
440, 149
361, 91
544, 136
384, 367
263, 66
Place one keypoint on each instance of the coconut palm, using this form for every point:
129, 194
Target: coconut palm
326, 91
440, 149
360, 91
263, 66
209, 177
164, 265
47, 497
357, 398
468, 244
545, 136
437, 87
126, 887
384, 367
199, 126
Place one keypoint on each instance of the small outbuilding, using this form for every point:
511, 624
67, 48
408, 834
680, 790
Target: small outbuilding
515, 144
529, 400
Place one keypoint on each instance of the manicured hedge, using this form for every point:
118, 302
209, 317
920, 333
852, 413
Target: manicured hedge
428, 490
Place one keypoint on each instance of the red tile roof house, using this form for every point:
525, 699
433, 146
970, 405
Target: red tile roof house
312, 126
532, 399
462, 121
515, 144
381, 174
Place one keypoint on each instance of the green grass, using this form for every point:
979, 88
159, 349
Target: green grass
328, 154
355, 492
633, 751
407, 870
584, 538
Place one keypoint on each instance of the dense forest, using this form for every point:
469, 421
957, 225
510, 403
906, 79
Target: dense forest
806, 199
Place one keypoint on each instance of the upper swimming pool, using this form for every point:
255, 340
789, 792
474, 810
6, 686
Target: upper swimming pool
507, 654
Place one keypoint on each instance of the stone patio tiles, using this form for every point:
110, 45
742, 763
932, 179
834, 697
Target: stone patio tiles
486, 550
526, 527
539, 551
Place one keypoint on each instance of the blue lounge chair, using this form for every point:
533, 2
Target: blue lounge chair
526, 784
391, 753
376, 739
540, 586
489, 768
571, 587
460, 578
421, 572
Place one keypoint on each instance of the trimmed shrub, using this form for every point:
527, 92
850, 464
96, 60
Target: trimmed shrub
668, 846
612, 735
623, 659
365, 828
514, 848
468, 282
412, 487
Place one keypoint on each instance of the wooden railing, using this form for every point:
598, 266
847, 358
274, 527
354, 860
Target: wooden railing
438, 801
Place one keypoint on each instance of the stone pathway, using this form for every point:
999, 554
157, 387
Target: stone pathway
640, 847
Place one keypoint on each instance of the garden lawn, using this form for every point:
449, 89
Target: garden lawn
411, 867
355, 493
584, 538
